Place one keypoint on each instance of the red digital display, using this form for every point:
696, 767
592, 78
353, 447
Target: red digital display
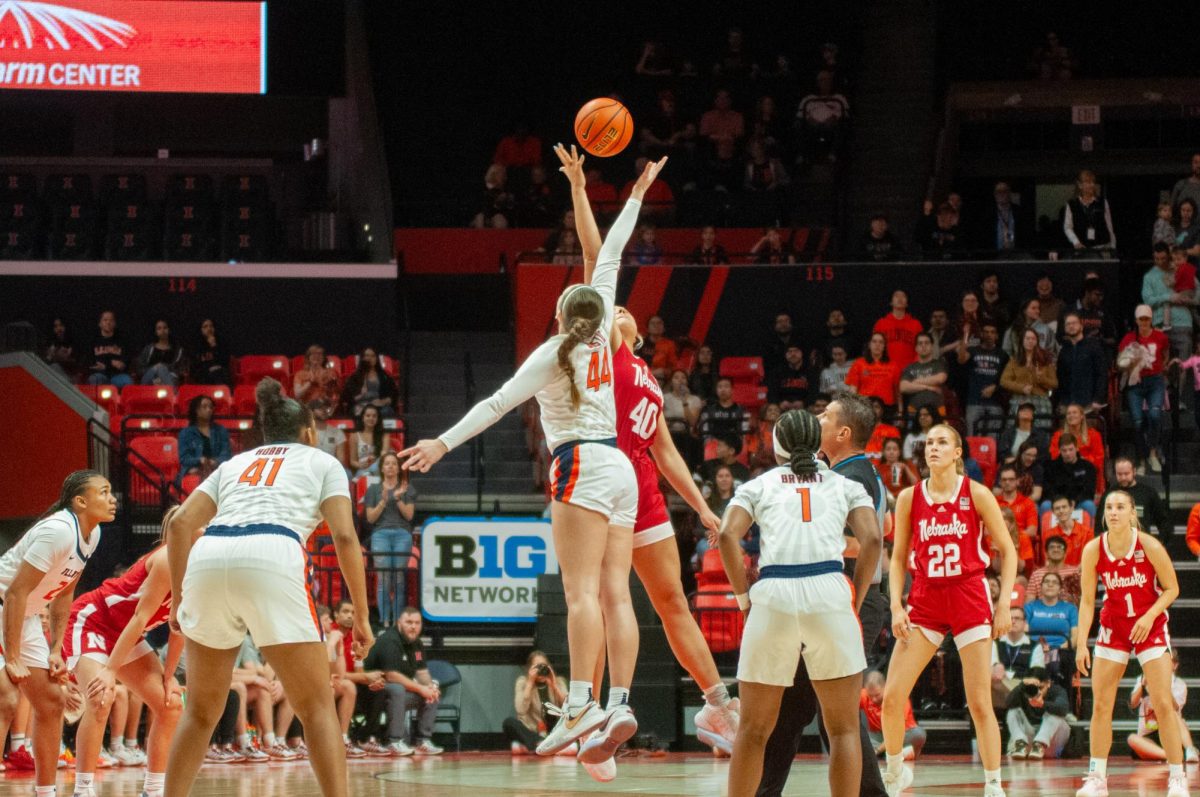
134, 45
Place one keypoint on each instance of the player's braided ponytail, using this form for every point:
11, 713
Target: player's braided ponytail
74, 485
797, 436
581, 310
282, 418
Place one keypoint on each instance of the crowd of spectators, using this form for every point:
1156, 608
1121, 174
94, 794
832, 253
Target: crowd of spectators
737, 130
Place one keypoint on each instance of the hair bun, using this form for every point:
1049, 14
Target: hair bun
268, 392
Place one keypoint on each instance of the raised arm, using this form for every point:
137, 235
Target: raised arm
538, 370
585, 222
604, 278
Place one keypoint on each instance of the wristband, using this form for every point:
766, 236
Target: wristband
743, 600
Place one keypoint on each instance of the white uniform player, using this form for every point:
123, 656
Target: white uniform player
248, 571
802, 601
56, 547
587, 468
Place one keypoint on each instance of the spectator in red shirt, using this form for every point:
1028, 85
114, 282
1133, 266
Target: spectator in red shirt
519, 149
1022, 507
1193, 531
883, 431
1141, 356
874, 374
600, 193
871, 704
657, 349
900, 330
658, 203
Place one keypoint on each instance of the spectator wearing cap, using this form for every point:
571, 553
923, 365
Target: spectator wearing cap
1151, 510
722, 416
330, 439
1056, 550
317, 379
789, 385
1037, 717
1071, 475
728, 448
1141, 357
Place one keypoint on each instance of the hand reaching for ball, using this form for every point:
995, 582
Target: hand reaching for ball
572, 166
647, 176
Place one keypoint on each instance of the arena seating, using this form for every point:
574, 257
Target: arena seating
221, 395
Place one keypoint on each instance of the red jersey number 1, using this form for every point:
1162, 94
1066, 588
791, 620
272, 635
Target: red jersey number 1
599, 371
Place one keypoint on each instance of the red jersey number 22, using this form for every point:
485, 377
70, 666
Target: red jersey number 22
599, 370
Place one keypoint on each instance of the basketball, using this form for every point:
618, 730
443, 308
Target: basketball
603, 127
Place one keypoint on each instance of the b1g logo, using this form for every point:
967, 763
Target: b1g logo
462, 557
476, 569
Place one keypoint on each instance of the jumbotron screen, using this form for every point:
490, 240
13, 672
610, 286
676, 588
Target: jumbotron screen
134, 45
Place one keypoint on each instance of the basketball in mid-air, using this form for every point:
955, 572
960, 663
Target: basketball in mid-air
603, 127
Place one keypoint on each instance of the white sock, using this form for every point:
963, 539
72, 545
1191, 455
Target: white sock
1099, 767
580, 693
45, 791
18, 741
991, 776
1174, 770
155, 782
269, 739
717, 696
118, 742
83, 780
895, 763
617, 696
243, 740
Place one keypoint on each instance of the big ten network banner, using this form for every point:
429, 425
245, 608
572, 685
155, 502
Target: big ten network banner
476, 569
134, 45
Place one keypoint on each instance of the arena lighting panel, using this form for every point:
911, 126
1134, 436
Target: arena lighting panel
134, 45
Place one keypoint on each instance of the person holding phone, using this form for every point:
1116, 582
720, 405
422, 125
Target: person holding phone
536, 686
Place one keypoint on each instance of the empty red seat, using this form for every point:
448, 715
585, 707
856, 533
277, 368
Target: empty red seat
751, 397
106, 396
154, 461
742, 369
254, 367
983, 449
148, 399
189, 483
720, 620
244, 402
221, 395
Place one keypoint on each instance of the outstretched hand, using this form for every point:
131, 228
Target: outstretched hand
423, 455
572, 165
647, 177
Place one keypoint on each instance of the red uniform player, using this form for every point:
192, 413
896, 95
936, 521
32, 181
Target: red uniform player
639, 406
1139, 584
1130, 590
98, 617
948, 560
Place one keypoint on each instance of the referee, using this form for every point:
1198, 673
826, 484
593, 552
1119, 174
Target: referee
846, 426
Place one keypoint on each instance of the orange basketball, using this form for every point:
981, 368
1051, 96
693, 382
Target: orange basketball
603, 127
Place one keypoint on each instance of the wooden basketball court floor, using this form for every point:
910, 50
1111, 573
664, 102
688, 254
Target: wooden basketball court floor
674, 775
